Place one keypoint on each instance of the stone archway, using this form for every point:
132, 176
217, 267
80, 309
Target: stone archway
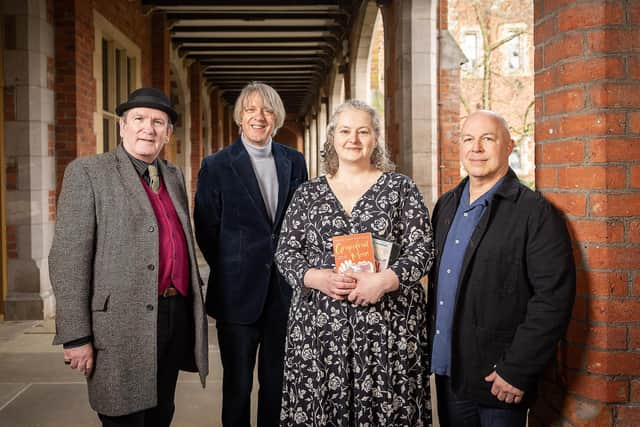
360, 57
337, 92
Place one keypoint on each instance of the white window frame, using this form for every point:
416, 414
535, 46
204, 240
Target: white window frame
117, 45
523, 152
506, 49
468, 68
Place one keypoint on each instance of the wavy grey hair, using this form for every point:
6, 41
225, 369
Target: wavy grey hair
270, 99
379, 157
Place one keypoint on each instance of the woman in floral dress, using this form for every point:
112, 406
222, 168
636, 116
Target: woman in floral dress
356, 352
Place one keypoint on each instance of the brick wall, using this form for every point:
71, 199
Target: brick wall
587, 155
448, 113
74, 83
160, 53
127, 16
448, 129
195, 83
230, 128
214, 104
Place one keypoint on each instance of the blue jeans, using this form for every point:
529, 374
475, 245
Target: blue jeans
454, 412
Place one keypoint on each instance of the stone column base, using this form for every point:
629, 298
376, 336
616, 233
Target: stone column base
23, 306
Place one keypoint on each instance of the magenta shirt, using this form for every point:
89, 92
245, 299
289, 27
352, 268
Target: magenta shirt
174, 256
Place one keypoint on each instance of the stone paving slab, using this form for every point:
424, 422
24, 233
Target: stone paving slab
50, 405
57, 405
38, 390
8, 391
36, 368
196, 407
10, 329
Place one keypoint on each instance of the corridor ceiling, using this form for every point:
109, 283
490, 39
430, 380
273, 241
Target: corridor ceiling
290, 45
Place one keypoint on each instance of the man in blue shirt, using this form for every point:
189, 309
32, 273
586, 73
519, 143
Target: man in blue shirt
502, 289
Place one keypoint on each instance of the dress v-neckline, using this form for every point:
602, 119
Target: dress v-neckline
358, 200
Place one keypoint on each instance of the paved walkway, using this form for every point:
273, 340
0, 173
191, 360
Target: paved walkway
37, 389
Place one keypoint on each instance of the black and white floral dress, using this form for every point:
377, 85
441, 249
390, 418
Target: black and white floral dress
349, 365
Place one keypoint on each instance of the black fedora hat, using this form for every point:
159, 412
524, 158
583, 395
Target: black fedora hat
151, 98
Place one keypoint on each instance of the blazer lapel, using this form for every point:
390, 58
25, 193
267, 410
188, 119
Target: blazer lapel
241, 166
283, 168
131, 179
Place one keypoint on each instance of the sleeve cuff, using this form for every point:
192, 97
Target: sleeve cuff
77, 343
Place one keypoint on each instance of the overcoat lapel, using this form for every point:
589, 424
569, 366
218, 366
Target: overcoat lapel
131, 179
172, 185
242, 168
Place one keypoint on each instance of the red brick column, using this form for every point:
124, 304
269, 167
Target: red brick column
587, 85
448, 129
160, 57
75, 93
449, 87
217, 124
195, 81
213, 105
230, 128
160, 53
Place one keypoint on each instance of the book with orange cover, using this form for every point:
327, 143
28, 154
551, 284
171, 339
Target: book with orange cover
354, 252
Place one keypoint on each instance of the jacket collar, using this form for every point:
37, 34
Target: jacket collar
241, 165
130, 177
243, 169
508, 189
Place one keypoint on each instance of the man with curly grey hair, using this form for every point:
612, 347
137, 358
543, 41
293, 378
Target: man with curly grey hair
242, 195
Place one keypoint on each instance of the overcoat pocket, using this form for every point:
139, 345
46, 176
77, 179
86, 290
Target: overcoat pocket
102, 327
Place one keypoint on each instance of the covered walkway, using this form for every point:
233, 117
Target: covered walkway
66, 64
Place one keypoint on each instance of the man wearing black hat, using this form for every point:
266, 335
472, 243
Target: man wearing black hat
130, 311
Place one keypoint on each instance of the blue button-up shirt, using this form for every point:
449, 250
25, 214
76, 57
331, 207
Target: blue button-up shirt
464, 223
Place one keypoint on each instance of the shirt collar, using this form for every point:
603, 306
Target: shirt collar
480, 201
140, 165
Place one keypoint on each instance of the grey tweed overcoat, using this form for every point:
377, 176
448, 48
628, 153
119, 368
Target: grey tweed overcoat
103, 266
